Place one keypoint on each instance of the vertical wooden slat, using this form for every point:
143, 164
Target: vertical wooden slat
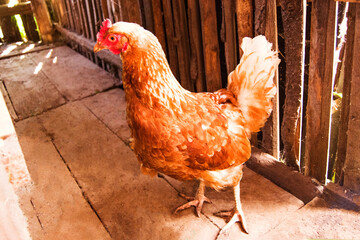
159, 23
104, 6
271, 138
91, 19
294, 29
59, 7
210, 45
30, 26
148, 20
229, 35
84, 18
43, 19
170, 38
116, 10
75, 15
197, 73
320, 88
131, 11
244, 17
183, 45
98, 12
79, 17
69, 17
348, 162
259, 17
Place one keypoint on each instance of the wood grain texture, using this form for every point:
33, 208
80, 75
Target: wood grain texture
170, 38
228, 35
244, 19
183, 44
294, 29
271, 136
43, 20
210, 45
197, 72
20, 8
349, 145
294, 182
320, 88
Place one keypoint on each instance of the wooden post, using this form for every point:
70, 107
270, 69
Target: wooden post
294, 31
104, 6
244, 14
131, 9
320, 88
271, 136
43, 20
170, 38
210, 45
197, 72
228, 35
159, 23
348, 162
182, 44
30, 26
9, 27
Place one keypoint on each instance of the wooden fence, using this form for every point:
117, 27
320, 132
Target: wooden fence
316, 116
26, 10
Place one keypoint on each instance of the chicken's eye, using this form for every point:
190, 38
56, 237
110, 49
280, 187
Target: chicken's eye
112, 38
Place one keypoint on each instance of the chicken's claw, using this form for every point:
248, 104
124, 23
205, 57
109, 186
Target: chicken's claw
236, 216
196, 201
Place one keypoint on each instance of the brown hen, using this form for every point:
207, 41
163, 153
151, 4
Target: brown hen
185, 135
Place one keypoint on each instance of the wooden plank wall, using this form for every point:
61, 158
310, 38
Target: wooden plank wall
201, 39
27, 10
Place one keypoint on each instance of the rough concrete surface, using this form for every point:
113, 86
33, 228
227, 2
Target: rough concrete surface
30, 90
87, 182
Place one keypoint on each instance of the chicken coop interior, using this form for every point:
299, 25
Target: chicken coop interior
67, 165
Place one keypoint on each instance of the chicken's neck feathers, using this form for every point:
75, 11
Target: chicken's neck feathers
147, 73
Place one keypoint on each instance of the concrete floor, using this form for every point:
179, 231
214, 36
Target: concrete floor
70, 121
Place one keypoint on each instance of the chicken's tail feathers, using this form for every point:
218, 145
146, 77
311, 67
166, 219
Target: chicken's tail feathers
252, 81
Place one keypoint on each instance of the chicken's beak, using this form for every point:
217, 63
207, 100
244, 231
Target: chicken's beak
98, 47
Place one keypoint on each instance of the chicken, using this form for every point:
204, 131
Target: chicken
185, 135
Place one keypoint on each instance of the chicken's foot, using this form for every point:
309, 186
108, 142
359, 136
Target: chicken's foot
237, 214
196, 201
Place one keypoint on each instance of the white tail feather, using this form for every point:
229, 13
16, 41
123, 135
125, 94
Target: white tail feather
252, 81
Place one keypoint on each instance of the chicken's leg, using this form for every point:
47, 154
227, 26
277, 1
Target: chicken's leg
237, 214
196, 201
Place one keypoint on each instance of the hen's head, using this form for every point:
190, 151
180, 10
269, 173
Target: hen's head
121, 37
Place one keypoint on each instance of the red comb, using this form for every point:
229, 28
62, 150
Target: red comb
106, 24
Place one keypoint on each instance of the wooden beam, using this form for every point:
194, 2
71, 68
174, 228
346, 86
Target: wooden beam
158, 18
131, 11
244, 17
104, 7
228, 32
294, 30
210, 45
170, 38
182, 43
271, 130
292, 181
320, 88
89, 45
43, 20
20, 8
349, 150
197, 72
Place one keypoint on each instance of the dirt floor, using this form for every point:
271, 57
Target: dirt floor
70, 120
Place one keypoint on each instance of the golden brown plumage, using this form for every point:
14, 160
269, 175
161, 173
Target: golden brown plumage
187, 135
